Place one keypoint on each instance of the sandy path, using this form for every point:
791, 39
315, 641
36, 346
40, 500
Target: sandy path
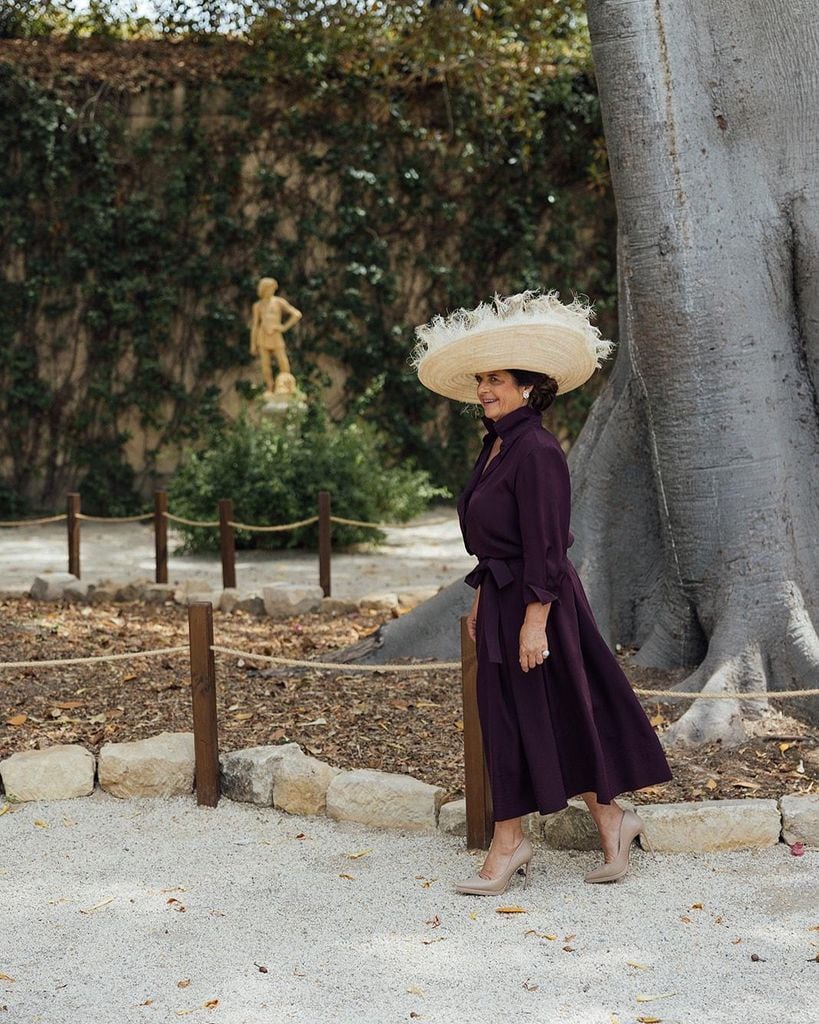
421, 556
354, 950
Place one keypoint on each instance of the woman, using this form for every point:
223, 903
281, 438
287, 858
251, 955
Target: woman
558, 716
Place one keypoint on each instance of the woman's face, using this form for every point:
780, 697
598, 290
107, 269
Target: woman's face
499, 393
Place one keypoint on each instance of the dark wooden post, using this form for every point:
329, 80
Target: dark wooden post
479, 824
203, 691
73, 510
325, 541
161, 535
227, 542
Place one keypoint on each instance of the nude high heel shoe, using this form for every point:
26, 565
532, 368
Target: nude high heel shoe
631, 825
519, 859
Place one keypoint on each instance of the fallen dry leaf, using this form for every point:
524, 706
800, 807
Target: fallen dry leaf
210, 1004
433, 922
5, 808
183, 983
350, 878
530, 988
649, 1020
696, 906
5, 977
38, 823
17, 720
174, 904
98, 906
659, 995
540, 935
361, 853
568, 949
415, 991
510, 910
436, 938
640, 967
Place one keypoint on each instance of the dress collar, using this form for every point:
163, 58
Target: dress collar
513, 424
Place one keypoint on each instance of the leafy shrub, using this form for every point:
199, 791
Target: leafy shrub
273, 471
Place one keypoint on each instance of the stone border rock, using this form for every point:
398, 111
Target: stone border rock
283, 776
276, 600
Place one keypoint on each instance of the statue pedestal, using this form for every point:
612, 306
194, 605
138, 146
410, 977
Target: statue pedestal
287, 398
279, 405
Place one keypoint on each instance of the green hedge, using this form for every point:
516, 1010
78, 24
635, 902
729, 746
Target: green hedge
273, 471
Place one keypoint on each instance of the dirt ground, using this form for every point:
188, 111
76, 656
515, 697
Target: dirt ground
381, 720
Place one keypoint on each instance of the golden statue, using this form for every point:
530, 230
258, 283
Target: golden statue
272, 317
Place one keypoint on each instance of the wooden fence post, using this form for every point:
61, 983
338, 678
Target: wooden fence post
73, 510
325, 541
161, 535
203, 692
479, 823
227, 542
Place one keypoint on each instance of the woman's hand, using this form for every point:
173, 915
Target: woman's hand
472, 616
533, 640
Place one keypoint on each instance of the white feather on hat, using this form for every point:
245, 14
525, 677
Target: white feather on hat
527, 331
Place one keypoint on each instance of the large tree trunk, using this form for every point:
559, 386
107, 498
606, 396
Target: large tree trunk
695, 478
695, 503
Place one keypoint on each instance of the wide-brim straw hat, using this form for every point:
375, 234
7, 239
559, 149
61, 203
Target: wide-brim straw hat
528, 331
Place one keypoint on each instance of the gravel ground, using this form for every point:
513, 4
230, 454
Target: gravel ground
147, 911
419, 556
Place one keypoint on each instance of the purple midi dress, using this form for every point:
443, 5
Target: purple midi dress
573, 724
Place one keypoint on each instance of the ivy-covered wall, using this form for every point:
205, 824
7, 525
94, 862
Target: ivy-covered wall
146, 185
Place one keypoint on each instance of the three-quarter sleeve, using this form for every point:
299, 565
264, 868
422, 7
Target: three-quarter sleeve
543, 495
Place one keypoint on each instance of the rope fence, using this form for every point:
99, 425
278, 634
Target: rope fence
207, 524
116, 519
226, 524
432, 666
388, 526
201, 650
160, 652
12, 523
273, 529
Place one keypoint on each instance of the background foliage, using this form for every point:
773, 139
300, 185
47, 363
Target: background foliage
385, 162
274, 471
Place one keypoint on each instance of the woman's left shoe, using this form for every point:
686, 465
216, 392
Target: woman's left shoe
519, 858
631, 825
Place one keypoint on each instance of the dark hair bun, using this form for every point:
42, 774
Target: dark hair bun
543, 388
543, 393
